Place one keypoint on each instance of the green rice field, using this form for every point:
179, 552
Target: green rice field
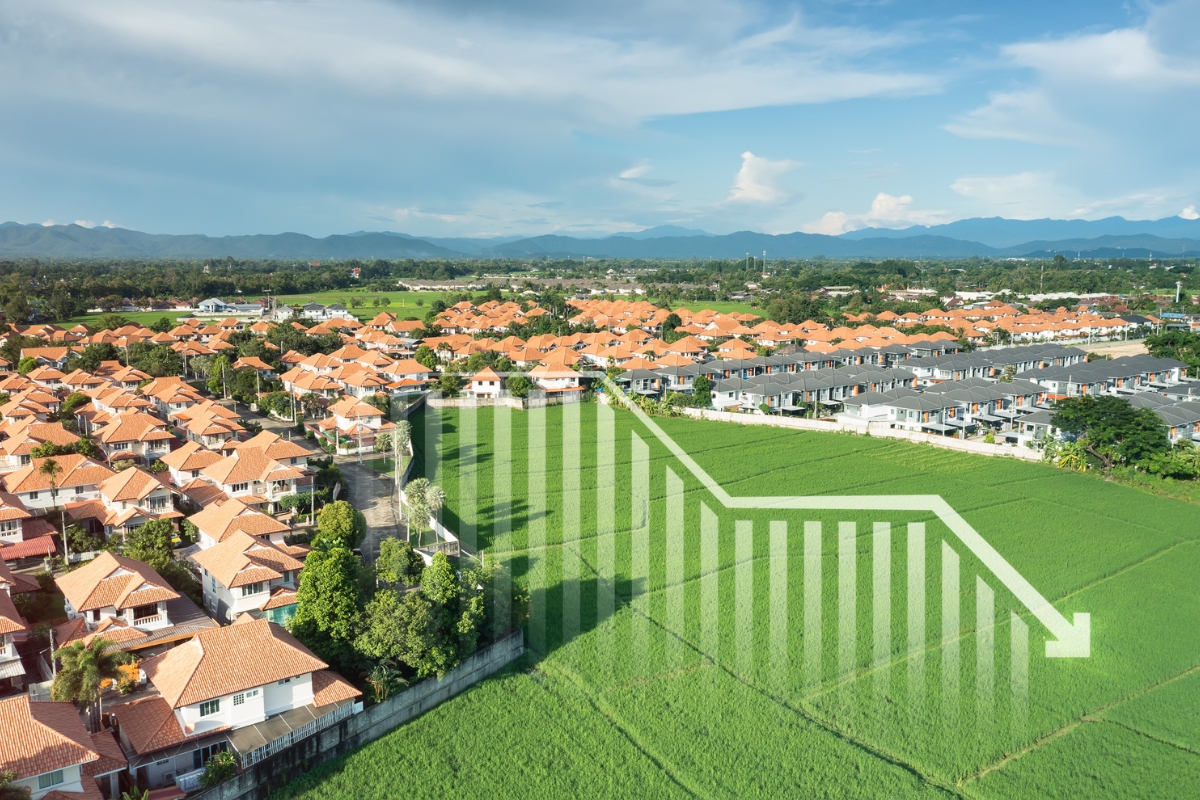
639, 684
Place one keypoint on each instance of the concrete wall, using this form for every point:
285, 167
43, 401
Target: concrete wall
274, 772
880, 429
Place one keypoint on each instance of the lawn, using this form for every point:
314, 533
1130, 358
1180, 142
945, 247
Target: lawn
723, 307
387, 465
695, 646
403, 304
146, 318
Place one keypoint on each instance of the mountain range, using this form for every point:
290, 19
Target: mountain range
1113, 237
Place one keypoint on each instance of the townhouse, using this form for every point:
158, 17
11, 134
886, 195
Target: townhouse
13, 627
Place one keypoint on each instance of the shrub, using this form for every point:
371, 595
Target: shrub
219, 769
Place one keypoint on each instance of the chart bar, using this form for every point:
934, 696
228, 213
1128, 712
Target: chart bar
432, 417
950, 628
744, 596
779, 607
674, 568
812, 605
881, 604
570, 521
916, 614
709, 582
640, 572
537, 527
985, 656
605, 530
1019, 677
502, 514
847, 598
468, 446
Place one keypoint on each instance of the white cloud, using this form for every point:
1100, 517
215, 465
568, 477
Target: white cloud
48, 223
370, 49
1035, 195
634, 172
1190, 213
1026, 116
759, 181
887, 211
406, 214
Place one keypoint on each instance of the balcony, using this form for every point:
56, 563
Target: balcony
190, 781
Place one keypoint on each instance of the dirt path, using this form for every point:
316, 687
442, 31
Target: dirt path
1116, 349
371, 493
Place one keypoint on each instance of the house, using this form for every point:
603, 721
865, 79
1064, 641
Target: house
117, 588
254, 478
486, 384
127, 500
185, 463
244, 573
222, 519
13, 627
274, 446
46, 746
135, 436
555, 378
226, 690
20, 439
210, 424
352, 425
264, 370
78, 478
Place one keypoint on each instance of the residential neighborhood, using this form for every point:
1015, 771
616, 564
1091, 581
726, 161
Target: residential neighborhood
226, 462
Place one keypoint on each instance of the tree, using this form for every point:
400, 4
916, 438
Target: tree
424, 500
9, 789
671, 323
449, 385
702, 392
426, 357
16, 310
310, 404
73, 401
110, 322
398, 562
518, 385
27, 365
162, 325
1110, 429
220, 768
84, 668
218, 373
151, 544
384, 679
328, 605
342, 524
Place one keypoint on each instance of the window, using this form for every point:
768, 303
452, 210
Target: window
158, 503
210, 708
10, 525
195, 473
50, 779
239, 699
239, 487
200, 757
33, 495
144, 612
282, 682
253, 588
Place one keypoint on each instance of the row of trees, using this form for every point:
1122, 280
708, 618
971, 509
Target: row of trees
398, 619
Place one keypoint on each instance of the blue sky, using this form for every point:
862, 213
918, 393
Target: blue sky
528, 117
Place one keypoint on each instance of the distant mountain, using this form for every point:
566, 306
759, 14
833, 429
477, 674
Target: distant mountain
74, 241
661, 231
737, 245
1005, 233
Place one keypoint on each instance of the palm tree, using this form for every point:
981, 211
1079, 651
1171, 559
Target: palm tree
311, 404
9, 790
51, 469
84, 668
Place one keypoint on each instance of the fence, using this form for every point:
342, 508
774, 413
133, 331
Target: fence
277, 770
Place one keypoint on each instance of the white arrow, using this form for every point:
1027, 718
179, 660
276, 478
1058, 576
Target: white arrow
1071, 640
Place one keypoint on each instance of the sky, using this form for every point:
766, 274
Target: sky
526, 117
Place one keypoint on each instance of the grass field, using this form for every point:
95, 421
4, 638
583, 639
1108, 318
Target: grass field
403, 304
664, 693
146, 318
723, 307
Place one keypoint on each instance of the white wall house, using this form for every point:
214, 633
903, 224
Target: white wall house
241, 574
118, 588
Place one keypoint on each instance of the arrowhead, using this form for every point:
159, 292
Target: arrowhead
1076, 642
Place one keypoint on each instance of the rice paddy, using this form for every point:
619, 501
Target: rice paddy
685, 662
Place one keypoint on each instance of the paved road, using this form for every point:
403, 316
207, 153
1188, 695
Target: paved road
369, 492
372, 493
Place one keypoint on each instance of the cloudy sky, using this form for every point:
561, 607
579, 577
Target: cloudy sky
536, 116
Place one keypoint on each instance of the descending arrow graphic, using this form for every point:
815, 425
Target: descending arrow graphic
1072, 640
